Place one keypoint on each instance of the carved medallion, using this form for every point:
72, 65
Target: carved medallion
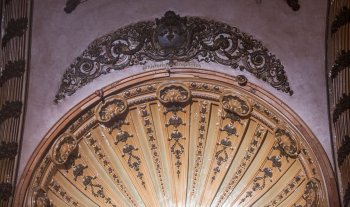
311, 193
170, 34
235, 103
113, 107
62, 148
287, 143
173, 93
41, 199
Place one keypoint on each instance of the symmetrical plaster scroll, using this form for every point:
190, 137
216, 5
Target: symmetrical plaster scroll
174, 38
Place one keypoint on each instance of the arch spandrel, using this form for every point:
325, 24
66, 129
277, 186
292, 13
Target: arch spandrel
188, 138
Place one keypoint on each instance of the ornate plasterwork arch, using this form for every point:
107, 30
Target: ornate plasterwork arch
190, 137
173, 38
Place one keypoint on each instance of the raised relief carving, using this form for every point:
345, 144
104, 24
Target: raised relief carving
174, 38
134, 161
96, 188
173, 93
63, 194
153, 144
312, 193
241, 80
110, 109
254, 146
41, 199
287, 143
235, 103
288, 190
107, 164
62, 148
203, 112
179, 148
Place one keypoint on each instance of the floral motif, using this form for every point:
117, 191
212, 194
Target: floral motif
174, 38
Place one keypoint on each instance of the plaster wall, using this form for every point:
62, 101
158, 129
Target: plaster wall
296, 38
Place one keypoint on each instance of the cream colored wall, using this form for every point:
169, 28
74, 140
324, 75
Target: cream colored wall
297, 39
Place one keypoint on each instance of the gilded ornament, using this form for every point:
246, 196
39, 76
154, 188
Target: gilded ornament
235, 103
171, 93
41, 199
241, 80
287, 143
63, 148
110, 109
312, 193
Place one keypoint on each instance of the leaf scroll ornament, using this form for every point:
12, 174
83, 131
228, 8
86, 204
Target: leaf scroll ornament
173, 38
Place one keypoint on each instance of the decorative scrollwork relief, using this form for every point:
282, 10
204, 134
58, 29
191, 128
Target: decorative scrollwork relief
173, 93
110, 109
235, 103
177, 149
287, 143
62, 148
174, 38
41, 199
312, 192
180, 148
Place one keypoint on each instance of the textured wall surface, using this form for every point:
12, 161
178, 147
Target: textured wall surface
338, 50
296, 38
